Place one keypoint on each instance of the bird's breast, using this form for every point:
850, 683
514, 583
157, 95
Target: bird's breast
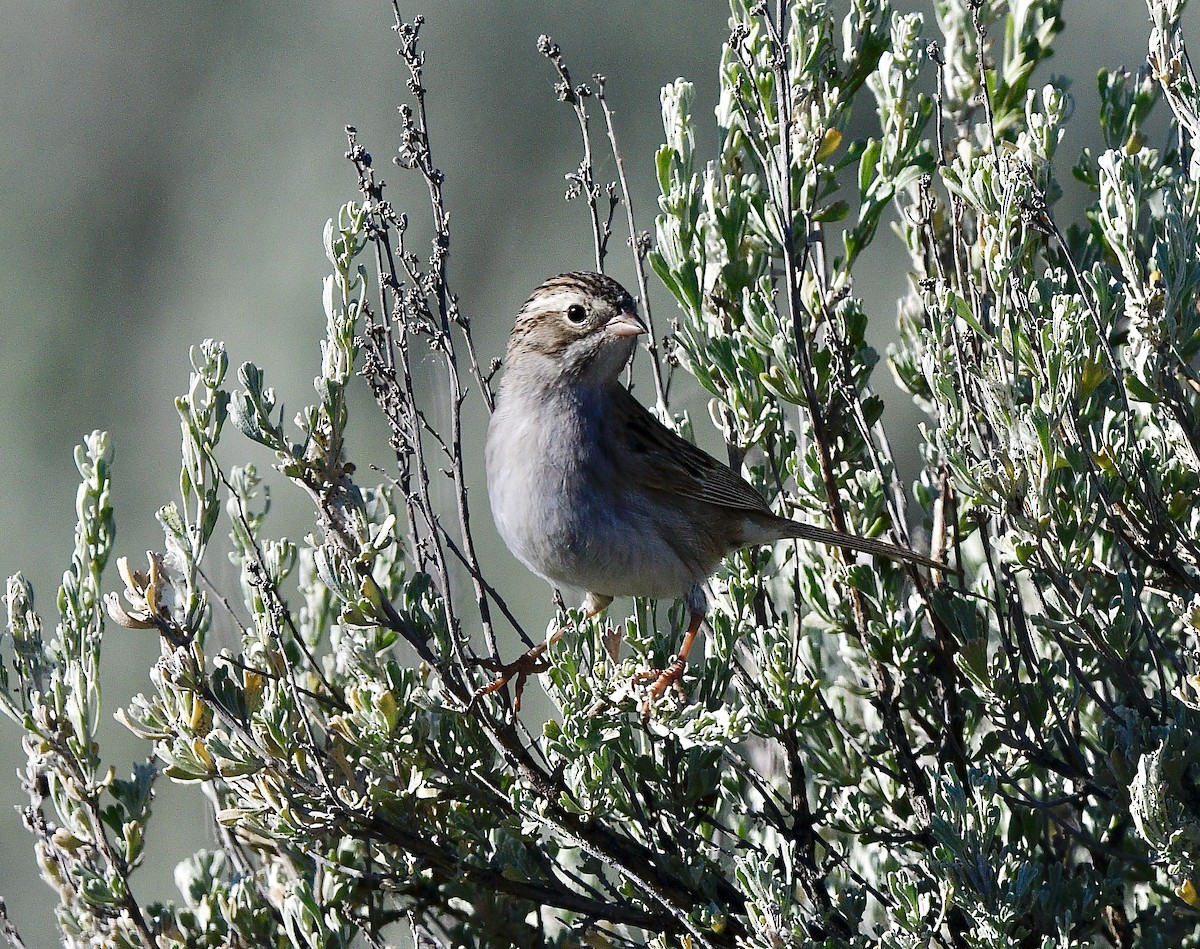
565, 509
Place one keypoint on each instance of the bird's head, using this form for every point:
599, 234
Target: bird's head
582, 326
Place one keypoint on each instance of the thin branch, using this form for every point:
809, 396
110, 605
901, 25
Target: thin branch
636, 242
583, 181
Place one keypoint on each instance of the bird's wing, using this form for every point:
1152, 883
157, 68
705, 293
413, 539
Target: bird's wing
662, 461
659, 460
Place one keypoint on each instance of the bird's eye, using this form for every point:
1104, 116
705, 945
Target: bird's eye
576, 313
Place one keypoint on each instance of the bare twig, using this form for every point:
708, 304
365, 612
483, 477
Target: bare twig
583, 181
638, 242
9, 928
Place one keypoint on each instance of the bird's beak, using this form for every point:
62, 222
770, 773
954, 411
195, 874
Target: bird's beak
625, 324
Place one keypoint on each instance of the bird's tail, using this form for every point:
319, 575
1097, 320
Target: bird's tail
863, 545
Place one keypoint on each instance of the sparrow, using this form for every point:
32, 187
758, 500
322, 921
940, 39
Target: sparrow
591, 492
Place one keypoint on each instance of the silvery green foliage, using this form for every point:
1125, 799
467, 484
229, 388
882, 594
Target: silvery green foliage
1003, 754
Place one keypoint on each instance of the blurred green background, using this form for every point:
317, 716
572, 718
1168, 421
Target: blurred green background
165, 172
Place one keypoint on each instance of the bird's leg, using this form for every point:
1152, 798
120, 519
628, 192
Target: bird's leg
671, 675
531, 662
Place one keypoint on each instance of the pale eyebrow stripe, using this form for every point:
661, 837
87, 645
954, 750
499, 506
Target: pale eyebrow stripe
553, 301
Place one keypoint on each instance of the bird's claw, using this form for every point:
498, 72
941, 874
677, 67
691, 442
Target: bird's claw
663, 679
531, 663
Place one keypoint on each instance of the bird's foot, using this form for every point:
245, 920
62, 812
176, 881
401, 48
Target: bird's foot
663, 679
531, 663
